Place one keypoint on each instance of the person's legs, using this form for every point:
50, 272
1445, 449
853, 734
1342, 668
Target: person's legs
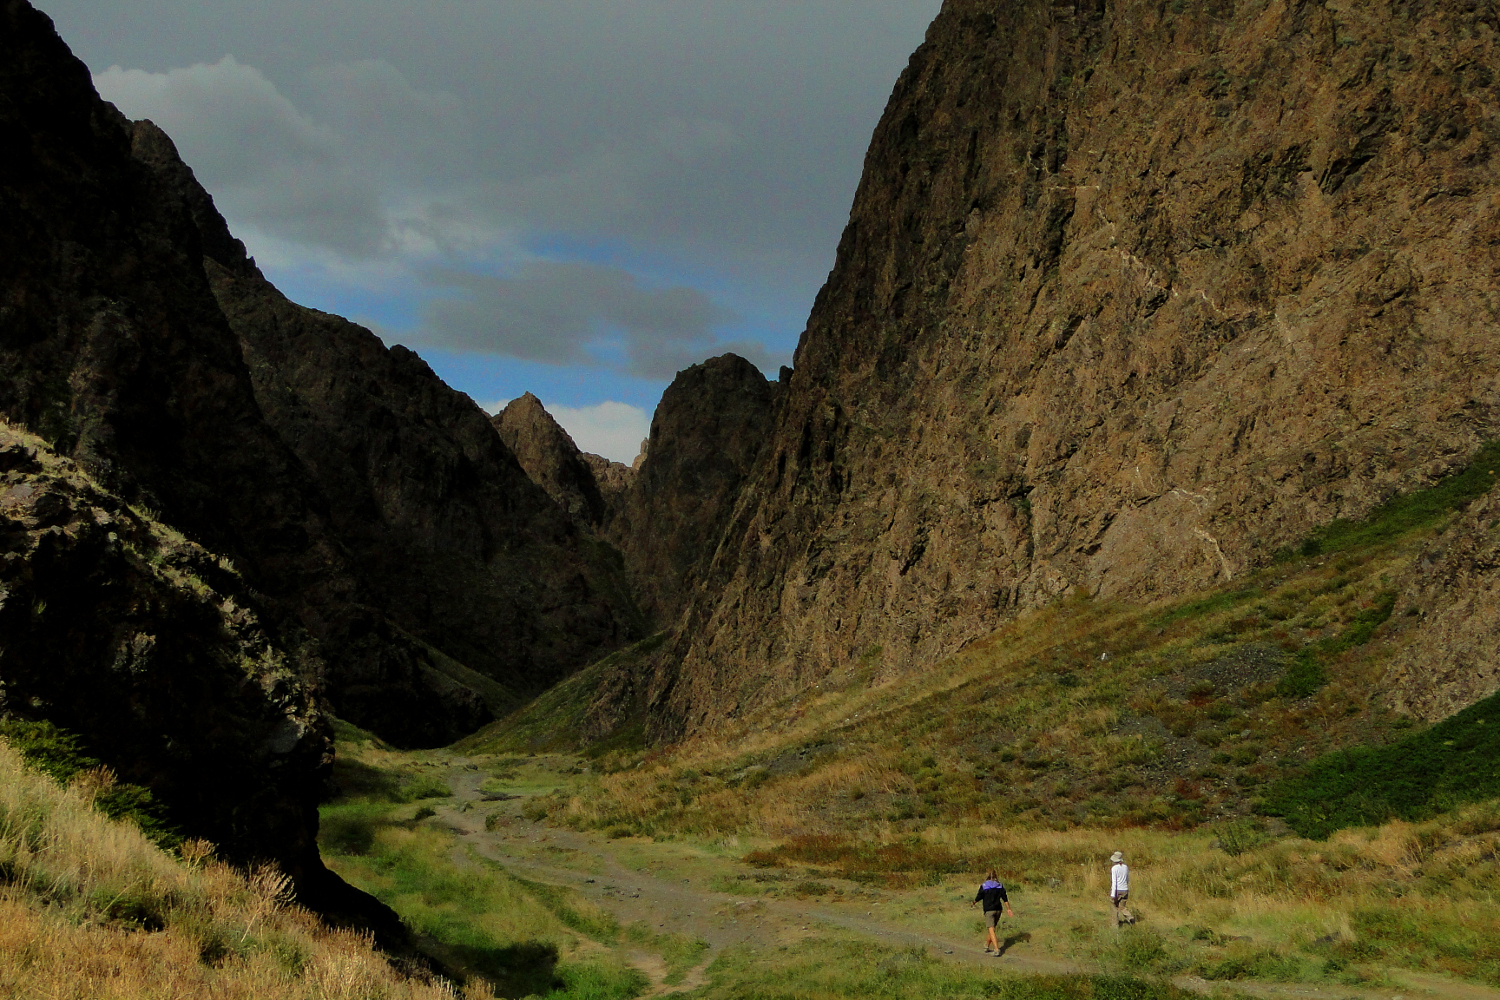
992, 942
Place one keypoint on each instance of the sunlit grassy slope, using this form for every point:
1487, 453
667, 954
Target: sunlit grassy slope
91, 909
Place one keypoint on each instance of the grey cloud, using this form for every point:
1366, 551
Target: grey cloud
570, 113
724, 135
266, 163
569, 312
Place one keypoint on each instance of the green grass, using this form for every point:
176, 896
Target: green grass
825, 969
356, 779
468, 911
555, 720
679, 952
1308, 671
1455, 762
1406, 513
62, 756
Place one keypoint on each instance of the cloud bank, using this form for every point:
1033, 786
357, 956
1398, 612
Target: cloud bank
617, 186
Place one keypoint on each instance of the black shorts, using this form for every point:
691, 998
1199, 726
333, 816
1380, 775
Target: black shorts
993, 916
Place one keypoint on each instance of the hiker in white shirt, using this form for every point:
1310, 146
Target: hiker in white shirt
1119, 889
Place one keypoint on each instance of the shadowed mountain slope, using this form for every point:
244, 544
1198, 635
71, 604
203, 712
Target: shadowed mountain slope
221, 510
551, 459
665, 516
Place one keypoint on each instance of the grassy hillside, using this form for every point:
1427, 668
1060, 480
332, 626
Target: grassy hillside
557, 720
91, 909
1418, 777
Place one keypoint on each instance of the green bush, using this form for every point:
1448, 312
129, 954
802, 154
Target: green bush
62, 756
1455, 762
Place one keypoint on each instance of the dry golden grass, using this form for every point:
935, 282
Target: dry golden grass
91, 909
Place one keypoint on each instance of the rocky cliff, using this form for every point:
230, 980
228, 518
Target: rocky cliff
123, 618
1449, 660
706, 433
553, 461
118, 627
1131, 295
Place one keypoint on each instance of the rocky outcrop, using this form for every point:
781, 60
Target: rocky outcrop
1131, 295
614, 478
664, 515
119, 627
552, 460
708, 429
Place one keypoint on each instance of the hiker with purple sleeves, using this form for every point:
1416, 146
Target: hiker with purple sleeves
992, 894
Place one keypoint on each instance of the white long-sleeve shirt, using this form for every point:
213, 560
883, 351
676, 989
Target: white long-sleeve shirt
1119, 880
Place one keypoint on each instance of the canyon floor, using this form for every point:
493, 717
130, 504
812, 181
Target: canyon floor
690, 916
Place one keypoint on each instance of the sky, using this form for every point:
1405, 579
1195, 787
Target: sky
576, 198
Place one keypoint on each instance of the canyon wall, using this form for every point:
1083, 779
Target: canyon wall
1132, 294
664, 516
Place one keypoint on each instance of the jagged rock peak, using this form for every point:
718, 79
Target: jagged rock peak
547, 452
706, 433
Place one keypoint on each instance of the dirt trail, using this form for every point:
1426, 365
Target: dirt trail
673, 894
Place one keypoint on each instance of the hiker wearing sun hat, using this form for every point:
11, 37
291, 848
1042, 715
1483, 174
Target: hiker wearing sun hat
1119, 889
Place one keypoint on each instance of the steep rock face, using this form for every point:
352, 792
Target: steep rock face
458, 556
1128, 299
551, 459
613, 478
711, 424
445, 531
111, 346
115, 350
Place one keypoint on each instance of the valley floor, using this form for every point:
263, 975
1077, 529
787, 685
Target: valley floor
700, 921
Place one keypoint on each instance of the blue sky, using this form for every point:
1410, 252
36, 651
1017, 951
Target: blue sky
575, 198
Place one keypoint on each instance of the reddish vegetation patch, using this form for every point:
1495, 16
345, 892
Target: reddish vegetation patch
897, 866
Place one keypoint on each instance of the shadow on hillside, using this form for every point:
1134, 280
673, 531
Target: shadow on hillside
1012, 941
518, 970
